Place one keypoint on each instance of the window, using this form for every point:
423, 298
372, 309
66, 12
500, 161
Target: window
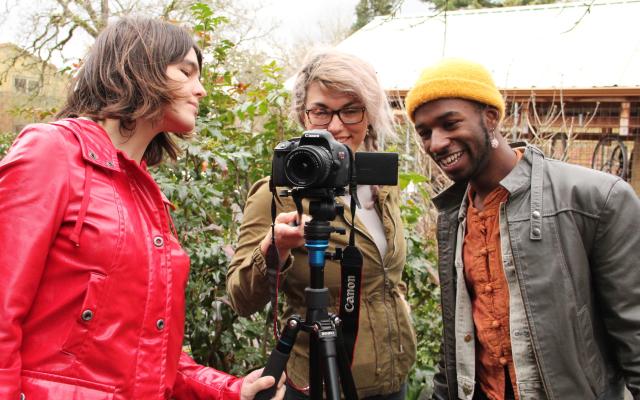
26, 85
20, 84
33, 87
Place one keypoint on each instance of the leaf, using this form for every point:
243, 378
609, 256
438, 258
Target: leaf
407, 177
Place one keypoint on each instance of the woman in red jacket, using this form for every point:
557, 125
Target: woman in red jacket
92, 277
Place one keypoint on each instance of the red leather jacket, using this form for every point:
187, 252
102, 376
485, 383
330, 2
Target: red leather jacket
92, 279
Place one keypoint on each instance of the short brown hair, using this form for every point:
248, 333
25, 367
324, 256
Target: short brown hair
124, 77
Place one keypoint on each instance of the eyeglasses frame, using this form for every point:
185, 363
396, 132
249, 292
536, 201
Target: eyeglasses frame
337, 112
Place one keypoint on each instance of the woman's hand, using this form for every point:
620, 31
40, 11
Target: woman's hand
288, 235
253, 384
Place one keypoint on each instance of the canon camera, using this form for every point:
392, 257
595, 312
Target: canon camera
317, 160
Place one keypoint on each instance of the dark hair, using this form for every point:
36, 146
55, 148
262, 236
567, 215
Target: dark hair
124, 77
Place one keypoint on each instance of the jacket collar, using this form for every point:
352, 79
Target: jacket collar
95, 144
519, 178
527, 175
450, 198
516, 181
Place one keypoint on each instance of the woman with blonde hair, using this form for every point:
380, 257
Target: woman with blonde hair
339, 93
92, 276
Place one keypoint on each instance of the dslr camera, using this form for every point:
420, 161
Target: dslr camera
316, 160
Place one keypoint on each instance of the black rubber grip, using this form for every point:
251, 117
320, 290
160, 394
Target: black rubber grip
275, 366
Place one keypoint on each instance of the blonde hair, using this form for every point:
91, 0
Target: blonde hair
346, 73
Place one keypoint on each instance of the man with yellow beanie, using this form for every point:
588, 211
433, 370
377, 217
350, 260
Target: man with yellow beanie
538, 259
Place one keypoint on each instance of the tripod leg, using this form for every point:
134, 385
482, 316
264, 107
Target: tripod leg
330, 367
317, 303
335, 364
315, 373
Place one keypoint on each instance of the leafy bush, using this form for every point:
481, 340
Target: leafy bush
238, 127
5, 142
420, 274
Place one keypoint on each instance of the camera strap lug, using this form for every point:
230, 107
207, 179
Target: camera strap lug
334, 256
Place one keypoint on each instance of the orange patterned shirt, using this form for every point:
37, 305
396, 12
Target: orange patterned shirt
489, 293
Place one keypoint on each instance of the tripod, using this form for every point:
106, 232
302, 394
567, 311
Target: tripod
326, 344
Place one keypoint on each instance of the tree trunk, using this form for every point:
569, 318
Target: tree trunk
104, 14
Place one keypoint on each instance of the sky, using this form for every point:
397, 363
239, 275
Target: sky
301, 19
289, 21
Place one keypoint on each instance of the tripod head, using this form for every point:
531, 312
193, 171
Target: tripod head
323, 209
322, 204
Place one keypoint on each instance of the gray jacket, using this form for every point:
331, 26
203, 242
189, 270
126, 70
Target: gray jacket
573, 233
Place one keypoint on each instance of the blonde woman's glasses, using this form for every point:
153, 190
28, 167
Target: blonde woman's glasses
347, 115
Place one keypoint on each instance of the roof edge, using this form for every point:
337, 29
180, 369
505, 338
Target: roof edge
533, 7
619, 92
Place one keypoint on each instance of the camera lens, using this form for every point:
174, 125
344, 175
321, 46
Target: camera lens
308, 166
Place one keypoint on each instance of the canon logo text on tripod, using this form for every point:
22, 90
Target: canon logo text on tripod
351, 292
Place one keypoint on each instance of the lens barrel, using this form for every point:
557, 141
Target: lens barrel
308, 166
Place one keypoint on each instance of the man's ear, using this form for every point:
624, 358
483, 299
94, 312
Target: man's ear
491, 117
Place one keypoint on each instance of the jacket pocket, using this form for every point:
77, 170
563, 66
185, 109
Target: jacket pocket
87, 315
40, 385
589, 353
365, 370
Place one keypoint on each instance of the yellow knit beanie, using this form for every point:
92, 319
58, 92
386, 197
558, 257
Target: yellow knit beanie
454, 78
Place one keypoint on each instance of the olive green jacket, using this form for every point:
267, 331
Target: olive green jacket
386, 345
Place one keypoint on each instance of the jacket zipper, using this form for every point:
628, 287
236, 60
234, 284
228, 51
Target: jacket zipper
444, 342
534, 345
395, 237
386, 289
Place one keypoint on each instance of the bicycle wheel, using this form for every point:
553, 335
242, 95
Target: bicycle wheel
610, 155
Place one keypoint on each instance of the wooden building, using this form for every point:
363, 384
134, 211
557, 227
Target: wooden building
28, 92
570, 71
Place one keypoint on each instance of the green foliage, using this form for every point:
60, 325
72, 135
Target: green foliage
30, 112
366, 10
509, 3
450, 5
239, 124
420, 275
5, 142
238, 127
